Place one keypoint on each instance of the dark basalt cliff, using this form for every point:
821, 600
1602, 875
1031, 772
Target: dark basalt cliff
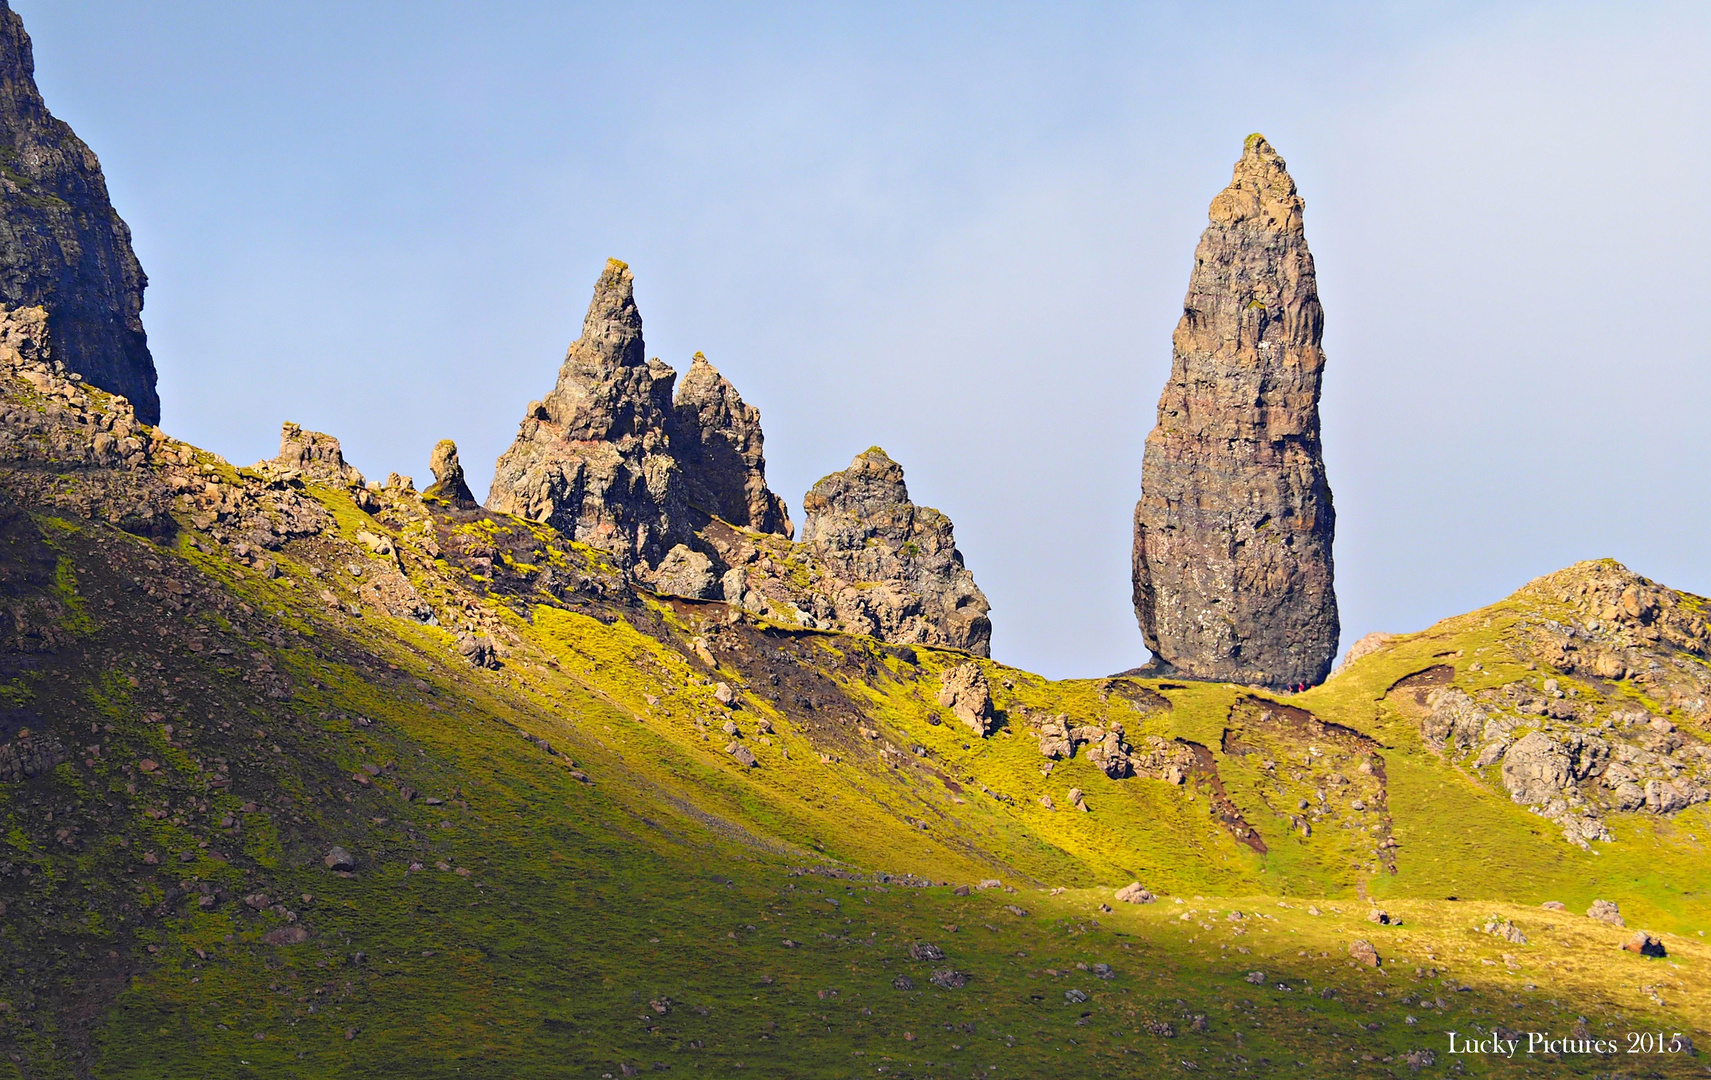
62, 246
1232, 551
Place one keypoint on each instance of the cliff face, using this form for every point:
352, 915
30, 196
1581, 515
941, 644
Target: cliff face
1233, 531
62, 246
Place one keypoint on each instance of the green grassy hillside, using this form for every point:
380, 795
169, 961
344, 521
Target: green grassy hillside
557, 866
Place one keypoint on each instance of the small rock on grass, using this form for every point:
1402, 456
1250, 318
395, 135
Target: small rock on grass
340, 859
1255, 977
1363, 952
285, 935
1075, 997
742, 754
1605, 911
1554, 905
1132, 893
947, 979
924, 950
1645, 944
903, 982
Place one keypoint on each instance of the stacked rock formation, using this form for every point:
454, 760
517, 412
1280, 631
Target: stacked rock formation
1233, 531
62, 246
675, 491
893, 567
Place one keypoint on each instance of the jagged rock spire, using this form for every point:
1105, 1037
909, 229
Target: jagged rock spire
609, 460
1233, 531
593, 458
718, 442
62, 246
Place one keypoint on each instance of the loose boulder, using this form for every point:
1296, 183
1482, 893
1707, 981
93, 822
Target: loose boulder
1132, 893
339, 859
1605, 911
1363, 952
1645, 944
964, 691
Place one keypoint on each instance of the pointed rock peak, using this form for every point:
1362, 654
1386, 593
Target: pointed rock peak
448, 483
720, 446
1261, 191
1234, 528
612, 329
703, 382
875, 464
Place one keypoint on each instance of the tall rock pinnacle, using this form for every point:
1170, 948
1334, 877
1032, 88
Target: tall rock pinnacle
609, 459
1232, 555
593, 458
62, 246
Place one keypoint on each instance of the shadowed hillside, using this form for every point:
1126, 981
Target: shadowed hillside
309, 776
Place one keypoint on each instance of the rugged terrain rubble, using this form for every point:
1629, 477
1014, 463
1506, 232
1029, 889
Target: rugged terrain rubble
1233, 531
62, 245
1594, 732
675, 492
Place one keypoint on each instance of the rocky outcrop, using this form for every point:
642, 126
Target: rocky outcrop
593, 458
964, 691
62, 246
313, 455
449, 483
893, 567
1232, 550
716, 439
674, 490
608, 458
1572, 747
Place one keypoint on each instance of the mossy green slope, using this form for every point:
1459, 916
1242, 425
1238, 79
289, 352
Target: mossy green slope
561, 871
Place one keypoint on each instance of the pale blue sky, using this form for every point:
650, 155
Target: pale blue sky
960, 232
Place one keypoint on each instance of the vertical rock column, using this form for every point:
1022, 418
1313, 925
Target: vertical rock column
1233, 531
